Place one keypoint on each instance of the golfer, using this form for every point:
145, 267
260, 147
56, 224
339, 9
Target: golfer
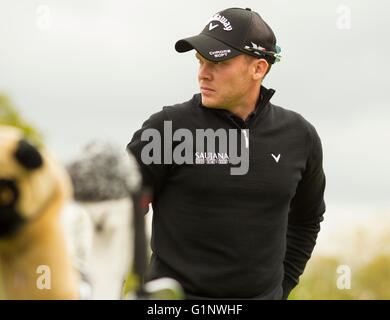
237, 216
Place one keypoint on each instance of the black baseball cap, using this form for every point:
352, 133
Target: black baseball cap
232, 32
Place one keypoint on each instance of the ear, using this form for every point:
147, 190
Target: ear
261, 66
28, 156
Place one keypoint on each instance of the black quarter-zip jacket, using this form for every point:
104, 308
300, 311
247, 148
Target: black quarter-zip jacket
236, 236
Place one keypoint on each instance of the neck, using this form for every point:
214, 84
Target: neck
244, 109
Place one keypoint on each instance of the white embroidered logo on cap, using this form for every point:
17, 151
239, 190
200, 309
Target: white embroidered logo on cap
220, 53
223, 20
211, 27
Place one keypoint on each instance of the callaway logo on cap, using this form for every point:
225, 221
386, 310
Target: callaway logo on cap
232, 32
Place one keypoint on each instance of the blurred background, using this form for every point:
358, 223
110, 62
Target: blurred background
75, 71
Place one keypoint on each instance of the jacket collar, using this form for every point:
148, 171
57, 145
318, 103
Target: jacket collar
264, 97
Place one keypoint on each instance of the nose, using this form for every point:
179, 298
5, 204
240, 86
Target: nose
205, 72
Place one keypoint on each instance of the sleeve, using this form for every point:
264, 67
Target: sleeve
306, 212
151, 134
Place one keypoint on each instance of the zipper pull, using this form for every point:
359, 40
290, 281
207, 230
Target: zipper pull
246, 136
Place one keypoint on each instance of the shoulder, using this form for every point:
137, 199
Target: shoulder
293, 119
174, 112
298, 126
184, 108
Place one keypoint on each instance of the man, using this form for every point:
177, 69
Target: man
225, 232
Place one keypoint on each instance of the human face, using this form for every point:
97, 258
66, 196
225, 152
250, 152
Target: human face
225, 84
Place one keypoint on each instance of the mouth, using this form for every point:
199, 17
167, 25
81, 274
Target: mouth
206, 90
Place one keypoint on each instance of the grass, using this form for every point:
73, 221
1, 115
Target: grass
370, 281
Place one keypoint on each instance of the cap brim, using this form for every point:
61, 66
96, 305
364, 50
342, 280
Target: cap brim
209, 48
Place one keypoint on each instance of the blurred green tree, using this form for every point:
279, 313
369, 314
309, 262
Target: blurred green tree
10, 116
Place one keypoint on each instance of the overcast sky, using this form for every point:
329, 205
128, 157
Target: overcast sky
87, 69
